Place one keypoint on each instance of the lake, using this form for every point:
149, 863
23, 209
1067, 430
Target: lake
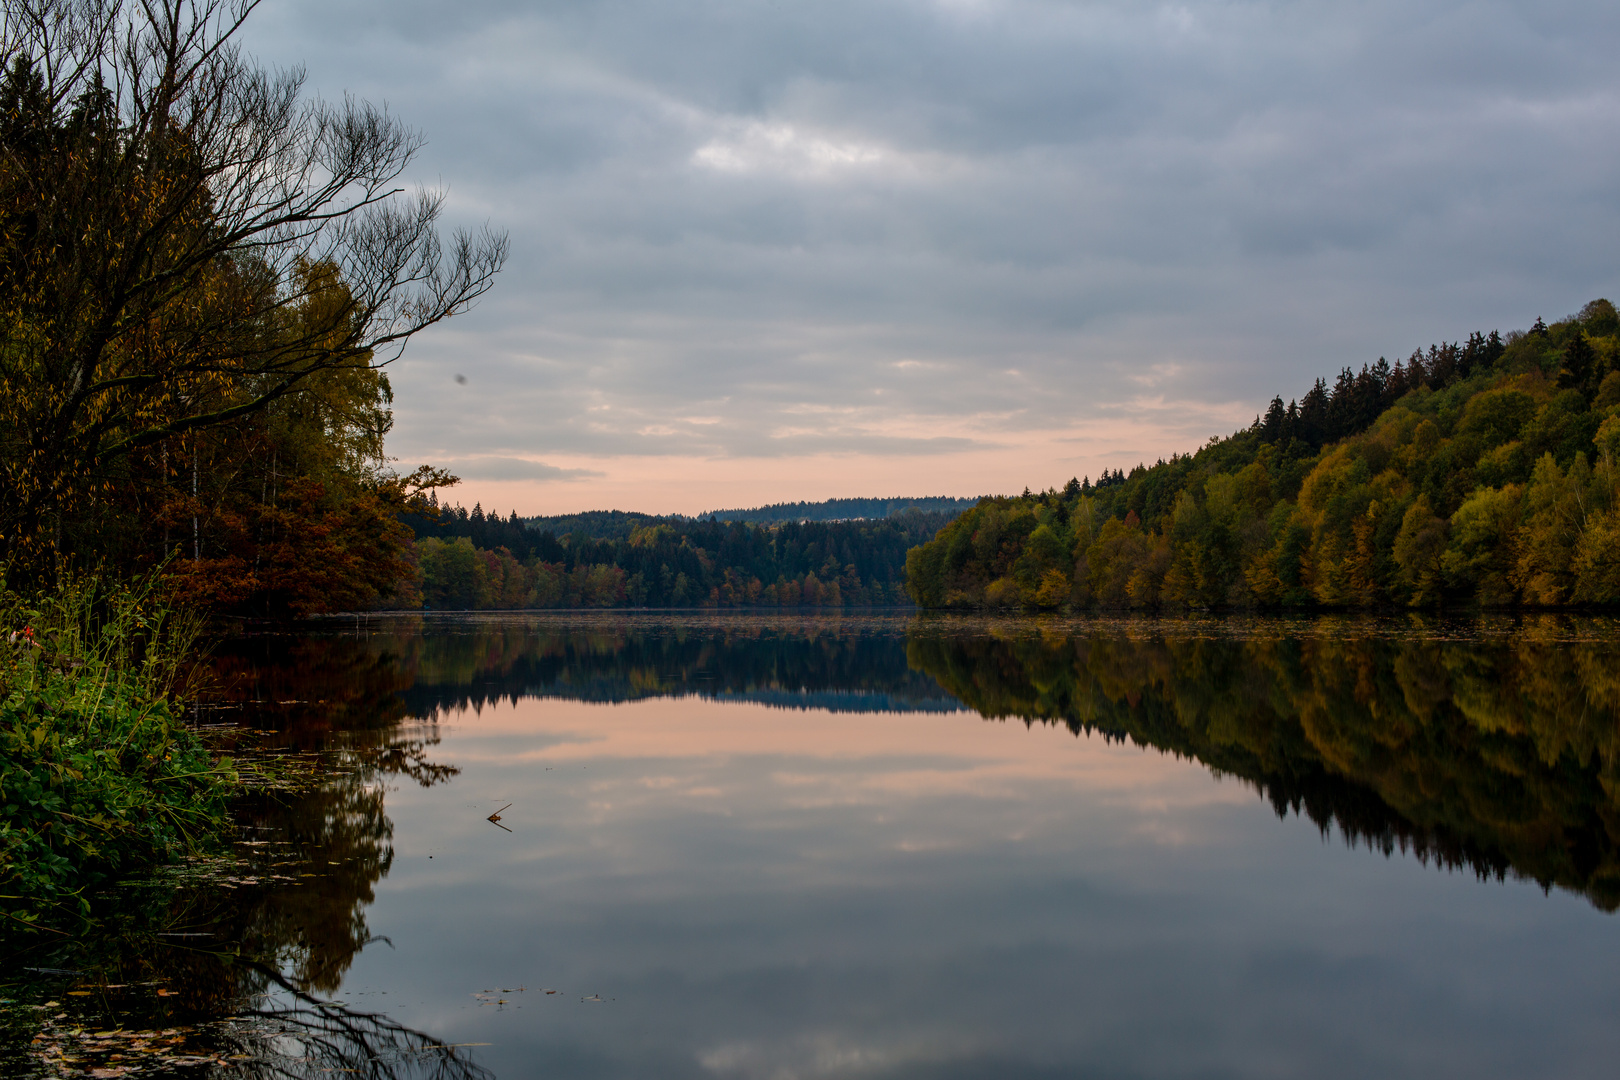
895, 846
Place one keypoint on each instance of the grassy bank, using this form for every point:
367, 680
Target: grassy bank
99, 775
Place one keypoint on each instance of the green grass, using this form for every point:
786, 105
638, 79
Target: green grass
99, 775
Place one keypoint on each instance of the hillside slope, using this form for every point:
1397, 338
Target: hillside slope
1483, 472
841, 510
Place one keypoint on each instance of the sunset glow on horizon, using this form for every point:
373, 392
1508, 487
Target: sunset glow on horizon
764, 254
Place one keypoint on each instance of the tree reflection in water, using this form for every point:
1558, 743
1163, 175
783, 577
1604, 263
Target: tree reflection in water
1492, 744
1481, 746
290, 1034
1489, 750
341, 700
254, 937
283, 1033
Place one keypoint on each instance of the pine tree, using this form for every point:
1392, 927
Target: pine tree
1580, 370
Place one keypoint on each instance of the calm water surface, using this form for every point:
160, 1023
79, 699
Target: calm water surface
779, 847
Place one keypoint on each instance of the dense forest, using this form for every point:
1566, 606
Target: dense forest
192, 379
451, 521
472, 560
1480, 472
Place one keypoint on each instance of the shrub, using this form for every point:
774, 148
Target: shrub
99, 774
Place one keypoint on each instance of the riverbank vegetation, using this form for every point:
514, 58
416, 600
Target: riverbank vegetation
203, 274
99, 773
1483, 472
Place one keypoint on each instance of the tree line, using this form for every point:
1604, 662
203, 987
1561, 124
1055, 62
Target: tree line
840, 509
470, 560
1483, 472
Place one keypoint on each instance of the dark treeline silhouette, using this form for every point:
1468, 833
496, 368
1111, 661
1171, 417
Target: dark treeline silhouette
1354, 401
841, 510
1498, 755
1483, 472
472, 560
596, 524
521, 535
785, 661
514, 533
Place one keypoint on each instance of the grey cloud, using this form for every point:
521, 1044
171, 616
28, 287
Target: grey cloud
1254, 192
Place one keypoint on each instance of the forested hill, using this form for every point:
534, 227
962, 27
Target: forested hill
483, 561
836, 553
491, 530
841, 510
596, 524
1479, 472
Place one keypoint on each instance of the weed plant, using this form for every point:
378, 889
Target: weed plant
99, 774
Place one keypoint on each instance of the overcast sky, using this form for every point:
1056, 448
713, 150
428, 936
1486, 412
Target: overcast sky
767, 251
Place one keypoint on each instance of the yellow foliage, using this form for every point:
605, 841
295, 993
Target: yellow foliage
1054, 589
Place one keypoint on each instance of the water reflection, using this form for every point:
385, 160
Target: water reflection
282, 1033
290, 1034
1481, 745
856, 664
340, 702
1460, 743
254, 934
179, 980
1484, 744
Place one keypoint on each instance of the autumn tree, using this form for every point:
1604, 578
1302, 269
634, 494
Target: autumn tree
186, 240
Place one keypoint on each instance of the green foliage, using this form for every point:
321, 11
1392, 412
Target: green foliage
98, 772
671, 563
1493, 477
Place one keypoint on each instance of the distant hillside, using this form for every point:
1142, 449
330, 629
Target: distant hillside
598, 524
1486, 472
840, 510
523, 535
474, 560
